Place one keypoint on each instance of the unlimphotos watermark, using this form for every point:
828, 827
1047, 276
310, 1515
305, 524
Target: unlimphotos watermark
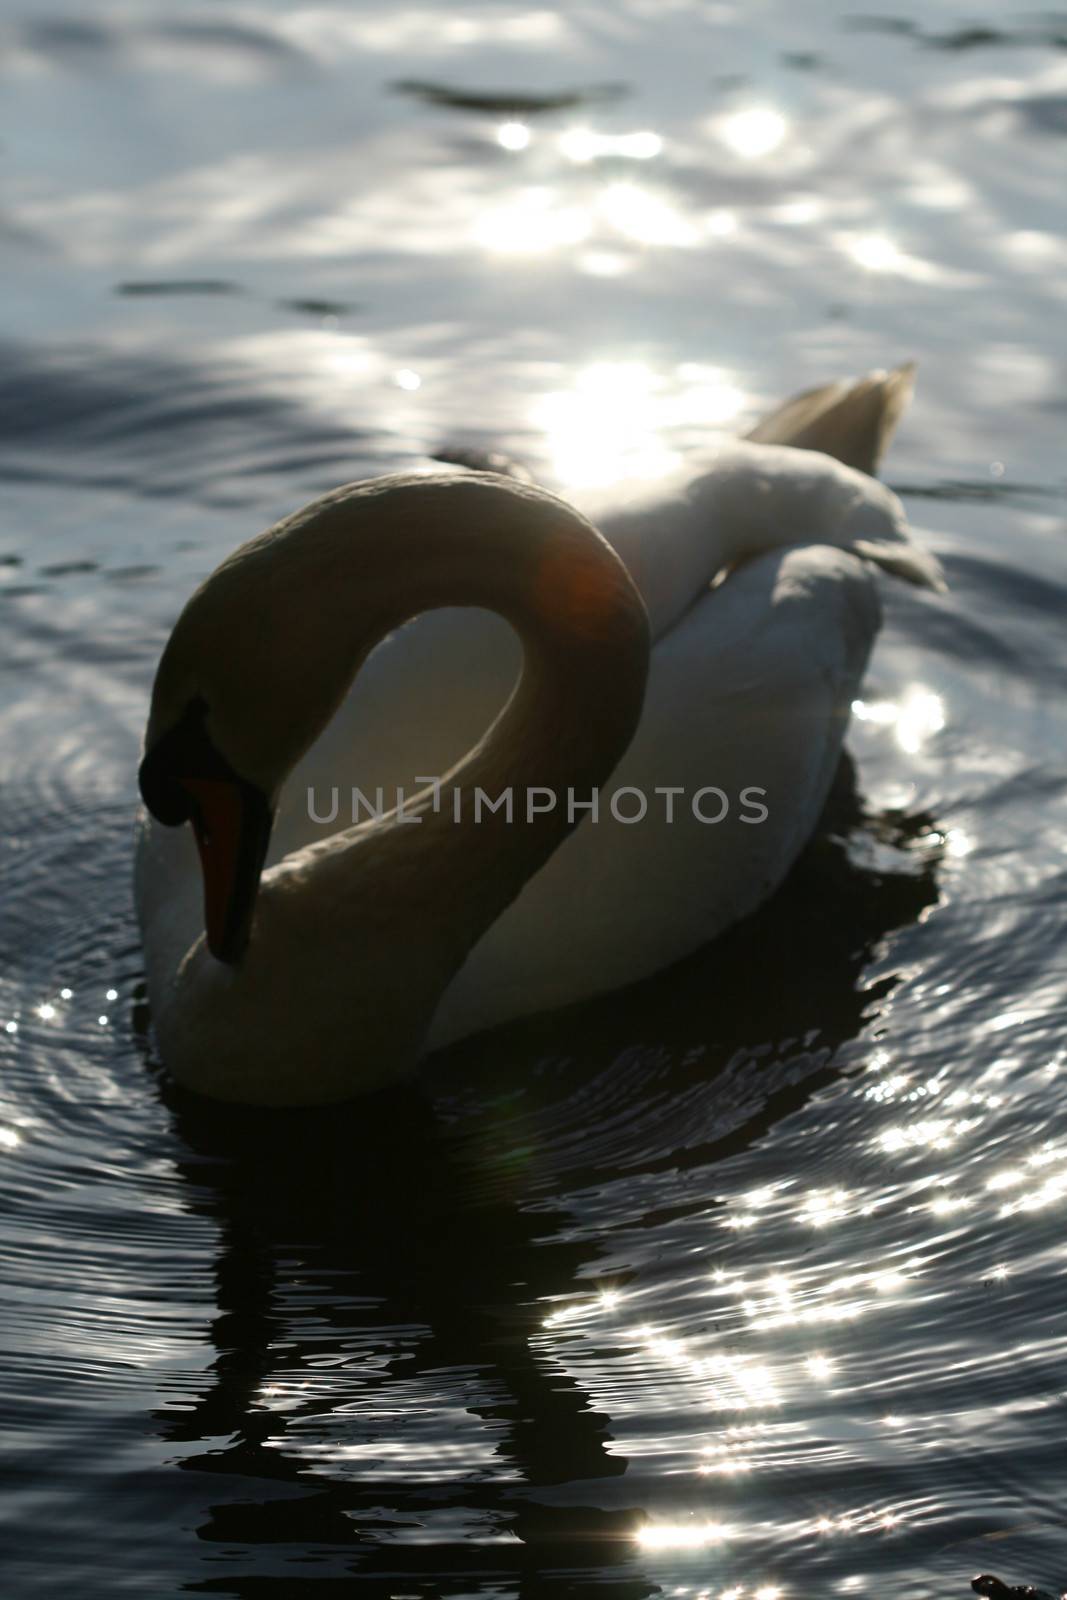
627, 805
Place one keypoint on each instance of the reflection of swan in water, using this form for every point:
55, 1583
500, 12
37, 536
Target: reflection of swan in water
399, 1325
359, 934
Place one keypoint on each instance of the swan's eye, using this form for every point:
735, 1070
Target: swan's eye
164, 797
184, 751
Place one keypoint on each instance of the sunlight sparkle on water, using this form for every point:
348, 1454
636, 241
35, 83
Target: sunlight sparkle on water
679, 1535
721, 224
947, 1204
513, 135
709, 398
564, 1314
1008, 1179
934, 1133
916, 717
1041, 1158
604, 263
921, 715
607, 1300
345, 357
539, 219
533, 223
795, 213
638, 213
582, 145
607, 426
823, 1207
726, 1382
755, 132
729, 1456
1045, 1194
875, 252
785, 1307
610, 424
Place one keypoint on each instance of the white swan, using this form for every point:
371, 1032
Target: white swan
367, 945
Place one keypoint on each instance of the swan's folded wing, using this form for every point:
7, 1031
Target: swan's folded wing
751, 691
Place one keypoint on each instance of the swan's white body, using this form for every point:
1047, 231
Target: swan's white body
749, 687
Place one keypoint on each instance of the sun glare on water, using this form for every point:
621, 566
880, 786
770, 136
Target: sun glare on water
755, 132
617, 418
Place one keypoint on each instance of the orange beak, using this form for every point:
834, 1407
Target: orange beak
185, 778
232, 826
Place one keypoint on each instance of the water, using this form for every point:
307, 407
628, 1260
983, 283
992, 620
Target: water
751, 1280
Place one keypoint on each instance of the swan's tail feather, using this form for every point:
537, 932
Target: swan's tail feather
853, 422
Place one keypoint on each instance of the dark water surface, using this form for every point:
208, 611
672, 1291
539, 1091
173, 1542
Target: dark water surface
750, 1282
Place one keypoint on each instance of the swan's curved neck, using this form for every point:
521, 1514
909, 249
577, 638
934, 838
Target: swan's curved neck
375, 555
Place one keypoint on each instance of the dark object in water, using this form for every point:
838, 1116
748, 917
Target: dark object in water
178, 286
1046, 30
993, 1589
477, 460
505, 102
318, 308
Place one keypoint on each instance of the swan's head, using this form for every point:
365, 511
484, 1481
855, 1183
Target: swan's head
185, 777
251, 673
